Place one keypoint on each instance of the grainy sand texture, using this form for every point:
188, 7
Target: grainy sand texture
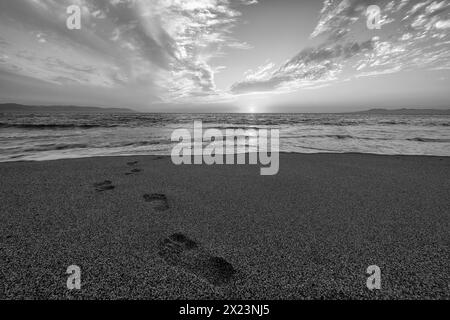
143, 228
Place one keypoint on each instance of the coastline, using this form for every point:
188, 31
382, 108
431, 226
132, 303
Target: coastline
309, 232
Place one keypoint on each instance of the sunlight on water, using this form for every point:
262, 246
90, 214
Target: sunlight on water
56, 136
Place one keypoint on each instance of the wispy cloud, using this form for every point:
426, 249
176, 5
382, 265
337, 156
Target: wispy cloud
162, 46
413, 35
164, 50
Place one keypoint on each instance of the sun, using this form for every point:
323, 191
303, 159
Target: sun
251, 109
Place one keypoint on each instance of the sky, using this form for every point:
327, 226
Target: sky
227, 55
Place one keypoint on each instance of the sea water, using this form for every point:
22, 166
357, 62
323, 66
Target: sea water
42, 136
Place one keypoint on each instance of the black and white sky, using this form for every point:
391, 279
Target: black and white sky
226, 55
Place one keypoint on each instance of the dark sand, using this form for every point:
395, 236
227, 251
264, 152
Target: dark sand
196, 232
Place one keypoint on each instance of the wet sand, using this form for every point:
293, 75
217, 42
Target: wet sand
143, 228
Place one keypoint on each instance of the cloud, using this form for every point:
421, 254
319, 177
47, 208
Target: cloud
261, 73
413, 35
163, 49
164, 46
307, 68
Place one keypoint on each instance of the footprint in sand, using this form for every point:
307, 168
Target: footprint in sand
159, 201
133, 172
180, 251
132, 164
103, 186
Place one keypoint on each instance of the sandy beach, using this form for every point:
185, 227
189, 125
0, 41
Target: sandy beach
143, 228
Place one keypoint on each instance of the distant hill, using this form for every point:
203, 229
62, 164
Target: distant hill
405, 111
13, 107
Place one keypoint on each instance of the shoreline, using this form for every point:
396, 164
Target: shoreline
140, 227
280, 153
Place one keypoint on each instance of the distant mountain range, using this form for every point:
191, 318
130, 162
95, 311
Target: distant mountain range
405, 111
13, 107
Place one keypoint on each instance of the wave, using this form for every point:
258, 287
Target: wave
334, 136
135, 144
51, 147
67, 146
342, 137
232, 127
419, 139
38, 126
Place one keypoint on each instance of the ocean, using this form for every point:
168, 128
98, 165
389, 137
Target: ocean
52, 136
